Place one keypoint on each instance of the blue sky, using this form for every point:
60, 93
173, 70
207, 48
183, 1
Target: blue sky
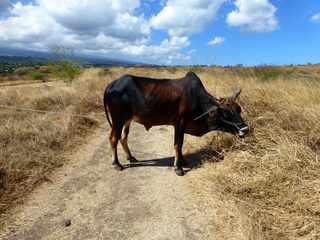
224, 32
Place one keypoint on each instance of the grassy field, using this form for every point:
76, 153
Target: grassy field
32, 144
267, 186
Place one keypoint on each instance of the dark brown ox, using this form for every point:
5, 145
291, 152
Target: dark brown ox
183, 103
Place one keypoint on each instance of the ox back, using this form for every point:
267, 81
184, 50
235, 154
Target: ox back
154, 102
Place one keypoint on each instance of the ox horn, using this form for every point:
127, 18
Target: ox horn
235, 95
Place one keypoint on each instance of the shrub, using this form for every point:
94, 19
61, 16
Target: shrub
65, 70
38, 75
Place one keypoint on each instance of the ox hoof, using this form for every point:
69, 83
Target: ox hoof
118, 167
179, 171
132, 160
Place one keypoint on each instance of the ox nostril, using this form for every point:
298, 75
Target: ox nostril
245, 129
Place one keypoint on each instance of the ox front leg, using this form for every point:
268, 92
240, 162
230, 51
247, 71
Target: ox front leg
114, 139
178, 142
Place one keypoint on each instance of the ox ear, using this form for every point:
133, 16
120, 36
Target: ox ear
235, 95
211, 112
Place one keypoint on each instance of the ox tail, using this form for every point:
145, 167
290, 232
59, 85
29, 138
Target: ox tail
107, 109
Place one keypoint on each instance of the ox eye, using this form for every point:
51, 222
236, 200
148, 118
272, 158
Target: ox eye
227, 114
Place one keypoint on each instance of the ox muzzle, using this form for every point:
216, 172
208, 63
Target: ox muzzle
241, 128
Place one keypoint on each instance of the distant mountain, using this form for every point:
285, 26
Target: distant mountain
103, 62
23, 56
23, 60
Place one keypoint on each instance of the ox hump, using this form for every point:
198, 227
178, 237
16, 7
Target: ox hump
192, 75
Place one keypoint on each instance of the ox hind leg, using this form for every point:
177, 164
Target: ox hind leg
114, 138
124, 142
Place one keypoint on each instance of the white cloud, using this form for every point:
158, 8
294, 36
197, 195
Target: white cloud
316, 18
192, 51
47, 24
185, 17
27, 26
253, 16
216, 41
95, 16
93, 27
166, 52
119, 28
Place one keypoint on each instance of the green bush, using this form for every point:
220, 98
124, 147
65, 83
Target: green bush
38, 75
65, 70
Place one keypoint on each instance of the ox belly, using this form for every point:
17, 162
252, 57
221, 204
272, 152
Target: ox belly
150, 121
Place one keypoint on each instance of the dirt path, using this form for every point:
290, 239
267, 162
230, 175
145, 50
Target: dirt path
25, 82
147, 201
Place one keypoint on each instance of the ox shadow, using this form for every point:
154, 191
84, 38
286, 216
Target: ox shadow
192, 160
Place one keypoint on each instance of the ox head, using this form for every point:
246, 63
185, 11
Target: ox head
225, 115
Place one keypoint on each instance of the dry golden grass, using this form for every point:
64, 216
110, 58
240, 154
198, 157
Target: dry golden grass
271, 179
267, 186
32, 144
